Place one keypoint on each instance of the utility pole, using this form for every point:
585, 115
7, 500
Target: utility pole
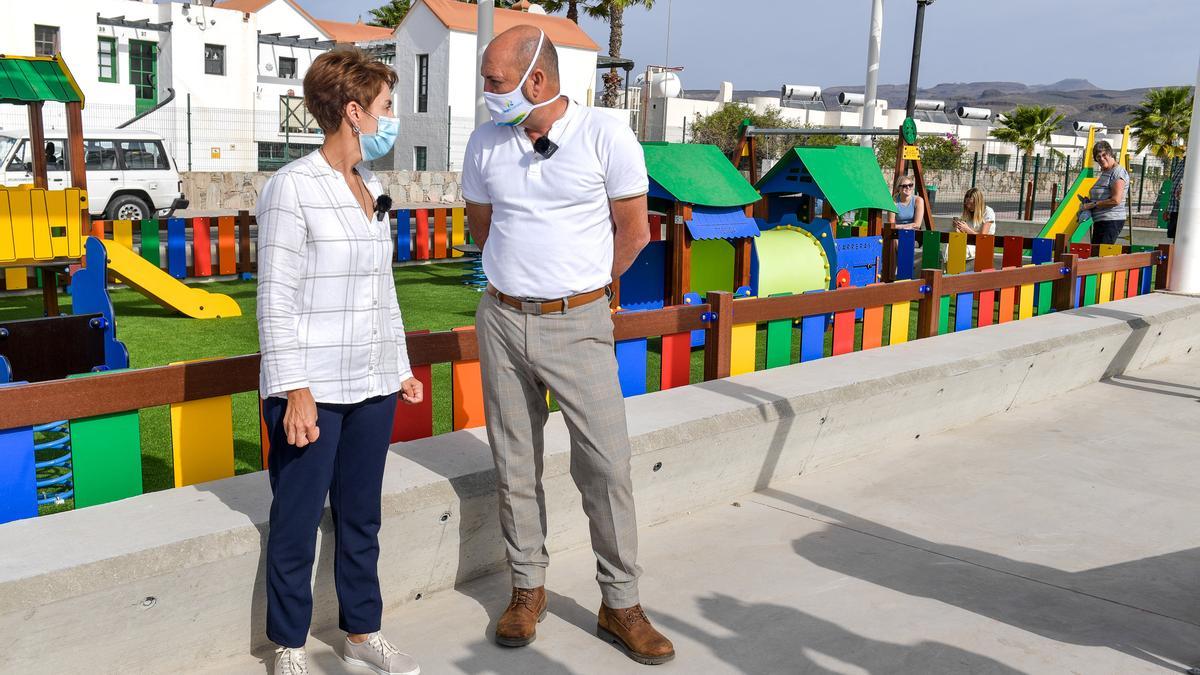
484, 29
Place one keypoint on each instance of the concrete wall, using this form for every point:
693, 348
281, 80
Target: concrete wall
177, 576
234, 190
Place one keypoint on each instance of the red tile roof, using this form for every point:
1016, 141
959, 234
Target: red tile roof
342, 31
461, 16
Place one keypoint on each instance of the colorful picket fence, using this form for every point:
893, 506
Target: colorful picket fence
204, 247
102, 409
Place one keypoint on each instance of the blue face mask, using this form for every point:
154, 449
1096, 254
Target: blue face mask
380, 143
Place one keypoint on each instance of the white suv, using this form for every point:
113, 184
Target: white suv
130, 176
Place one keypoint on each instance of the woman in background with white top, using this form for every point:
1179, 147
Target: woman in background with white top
977, 218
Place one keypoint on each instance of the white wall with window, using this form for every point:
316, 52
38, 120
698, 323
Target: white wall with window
422, 47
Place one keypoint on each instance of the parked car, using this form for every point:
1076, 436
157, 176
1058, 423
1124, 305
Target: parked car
130, 175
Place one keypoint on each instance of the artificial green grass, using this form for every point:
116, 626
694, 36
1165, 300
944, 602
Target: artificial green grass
432, 297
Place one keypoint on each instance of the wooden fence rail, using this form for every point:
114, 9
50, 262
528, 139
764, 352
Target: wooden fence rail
39, 403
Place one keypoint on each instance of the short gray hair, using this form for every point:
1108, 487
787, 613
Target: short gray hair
547, 60
1101, 148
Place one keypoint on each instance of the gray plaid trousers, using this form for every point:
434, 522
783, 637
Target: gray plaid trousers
571, 353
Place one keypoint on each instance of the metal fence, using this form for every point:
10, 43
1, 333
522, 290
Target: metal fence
1033, 187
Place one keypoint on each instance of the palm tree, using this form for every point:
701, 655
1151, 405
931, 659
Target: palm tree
555, 6
1028, 126
391, 14
614, 12
1162, 121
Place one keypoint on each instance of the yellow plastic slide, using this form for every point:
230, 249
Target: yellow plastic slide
152, 282
1065, 218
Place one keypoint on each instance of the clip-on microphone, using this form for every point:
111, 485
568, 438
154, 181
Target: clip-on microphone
383, 204
545, 147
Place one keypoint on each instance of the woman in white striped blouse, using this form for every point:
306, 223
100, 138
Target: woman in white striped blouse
333, 360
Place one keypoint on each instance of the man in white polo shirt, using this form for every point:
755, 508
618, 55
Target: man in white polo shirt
556, 198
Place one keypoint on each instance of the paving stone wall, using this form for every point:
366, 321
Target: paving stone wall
210, 191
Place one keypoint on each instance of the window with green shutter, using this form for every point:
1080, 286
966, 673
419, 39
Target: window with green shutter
106, 59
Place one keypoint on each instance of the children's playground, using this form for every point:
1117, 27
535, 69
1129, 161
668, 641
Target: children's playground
801, 256
129, 366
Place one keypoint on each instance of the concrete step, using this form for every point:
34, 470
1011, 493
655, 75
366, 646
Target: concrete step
1059, 537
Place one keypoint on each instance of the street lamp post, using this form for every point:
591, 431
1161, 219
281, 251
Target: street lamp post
484, 28
911, 105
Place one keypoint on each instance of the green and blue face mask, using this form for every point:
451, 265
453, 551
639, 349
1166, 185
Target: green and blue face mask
513, 108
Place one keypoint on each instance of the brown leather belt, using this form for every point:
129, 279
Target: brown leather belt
548, 306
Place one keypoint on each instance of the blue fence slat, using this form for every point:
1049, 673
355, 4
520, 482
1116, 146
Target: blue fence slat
812, 337
906, 247
1040, 252
403, 236
631, 366
963, 307
18, 477
176, 248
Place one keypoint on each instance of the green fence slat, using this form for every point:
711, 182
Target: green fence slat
1045, 295
931, 250
106, 457
944, 315
779, 343
150, 240
1089, 290
779, 340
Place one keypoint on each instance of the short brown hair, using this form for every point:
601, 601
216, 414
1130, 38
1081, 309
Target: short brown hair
339, 77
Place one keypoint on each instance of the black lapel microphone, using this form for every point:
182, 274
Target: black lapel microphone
545, 147
383, 204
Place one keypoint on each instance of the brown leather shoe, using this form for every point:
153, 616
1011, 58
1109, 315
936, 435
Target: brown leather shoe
517, 627
629, 629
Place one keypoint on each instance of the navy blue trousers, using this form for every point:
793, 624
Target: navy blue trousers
346, 463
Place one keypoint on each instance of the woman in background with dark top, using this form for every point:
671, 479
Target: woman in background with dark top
1106, 204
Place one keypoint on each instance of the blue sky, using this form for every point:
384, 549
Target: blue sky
761, 44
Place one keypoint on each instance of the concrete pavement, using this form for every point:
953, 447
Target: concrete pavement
1059, 537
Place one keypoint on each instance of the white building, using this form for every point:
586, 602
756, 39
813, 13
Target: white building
289, 39
435, 61
671, 119
220, 80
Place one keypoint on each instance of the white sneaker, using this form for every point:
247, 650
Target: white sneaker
379, 655
291, 661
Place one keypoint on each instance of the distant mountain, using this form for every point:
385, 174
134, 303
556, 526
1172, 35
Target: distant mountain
1070, 84
1078, 99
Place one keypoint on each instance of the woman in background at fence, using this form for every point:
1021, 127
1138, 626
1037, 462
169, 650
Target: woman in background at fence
977, 218
1106, 204
910, 208
333, 359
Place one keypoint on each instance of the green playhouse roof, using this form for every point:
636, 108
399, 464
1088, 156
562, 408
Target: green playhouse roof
698, 174
33, 79
848, 176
